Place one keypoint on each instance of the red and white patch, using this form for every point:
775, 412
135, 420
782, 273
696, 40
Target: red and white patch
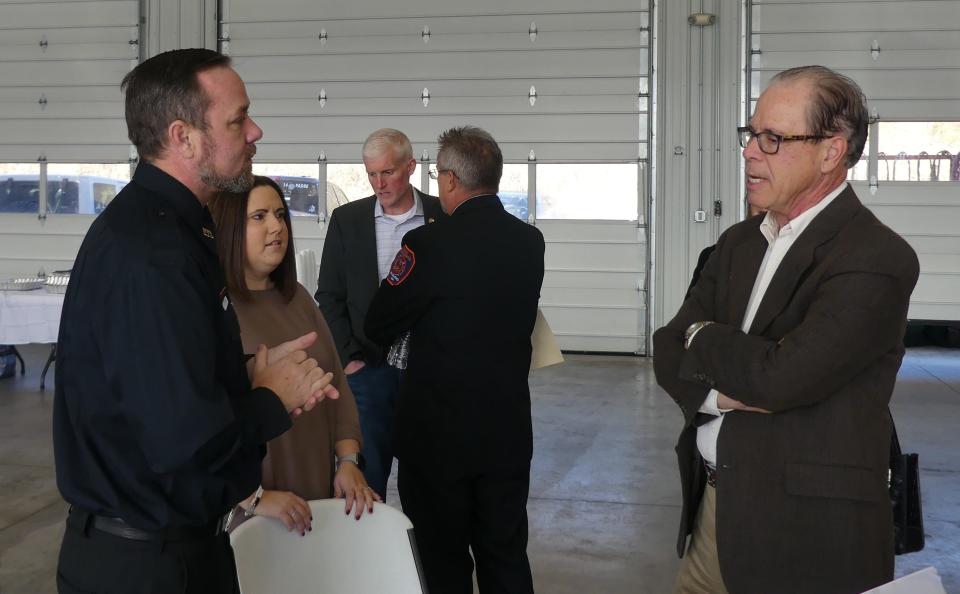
402, 266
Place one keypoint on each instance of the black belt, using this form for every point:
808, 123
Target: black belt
711, 474
84, 520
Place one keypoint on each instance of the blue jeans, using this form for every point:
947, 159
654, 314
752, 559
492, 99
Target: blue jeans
375, 389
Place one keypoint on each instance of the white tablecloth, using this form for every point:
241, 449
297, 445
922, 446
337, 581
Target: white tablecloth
29, 316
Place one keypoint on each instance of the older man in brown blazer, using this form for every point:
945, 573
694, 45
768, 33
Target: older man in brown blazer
783, 360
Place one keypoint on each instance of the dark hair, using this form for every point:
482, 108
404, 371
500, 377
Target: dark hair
838, 106
473, 155
164, 89
229, 213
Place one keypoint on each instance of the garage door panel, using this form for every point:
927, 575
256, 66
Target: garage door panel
618, 257
513, 152
857, 41
54, 95
461, 65
506, 128
70, 51
842, 17
590, 72
592, 279
519, 104
593, 297
920, 219
99, 72
939, 263
860, 59
546, 87
252, 10
889, 84
591, 231
116, 152
55, 131
42, 15
939, 311
933, 244
624, 321
441, 40
937, 287
54, 109
601, 344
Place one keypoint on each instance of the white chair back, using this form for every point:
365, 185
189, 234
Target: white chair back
307, 270
372, 555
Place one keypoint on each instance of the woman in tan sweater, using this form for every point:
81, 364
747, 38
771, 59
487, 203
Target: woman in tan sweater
256, 251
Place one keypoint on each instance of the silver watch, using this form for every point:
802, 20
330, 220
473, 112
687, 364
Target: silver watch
692, 331
354, 457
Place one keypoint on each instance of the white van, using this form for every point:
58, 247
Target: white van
66, 194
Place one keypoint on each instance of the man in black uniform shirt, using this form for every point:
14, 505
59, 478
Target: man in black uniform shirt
157, 429
467, 287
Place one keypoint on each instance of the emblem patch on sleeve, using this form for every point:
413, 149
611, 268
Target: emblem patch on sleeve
402, 266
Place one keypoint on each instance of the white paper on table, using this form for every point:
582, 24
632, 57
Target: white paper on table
925, 581
546, 351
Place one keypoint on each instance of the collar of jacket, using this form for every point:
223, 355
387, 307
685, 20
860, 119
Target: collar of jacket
476, 202
175, 194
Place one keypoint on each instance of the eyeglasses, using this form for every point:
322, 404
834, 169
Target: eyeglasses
769, 142
435, 173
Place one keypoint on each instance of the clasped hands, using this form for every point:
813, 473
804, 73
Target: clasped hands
292, 375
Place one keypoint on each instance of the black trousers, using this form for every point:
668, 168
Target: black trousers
95, 561
485, 513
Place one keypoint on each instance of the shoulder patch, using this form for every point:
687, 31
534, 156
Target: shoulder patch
402, 266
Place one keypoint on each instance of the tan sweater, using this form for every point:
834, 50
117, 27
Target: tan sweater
301, 460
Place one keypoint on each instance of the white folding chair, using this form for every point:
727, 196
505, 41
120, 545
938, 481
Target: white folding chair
372, 555
306, 261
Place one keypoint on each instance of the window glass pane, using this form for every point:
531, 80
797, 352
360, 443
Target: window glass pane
19, 190
352, 177
513, 189
919, 151
84, 188
859, 171
299, 182
587, 191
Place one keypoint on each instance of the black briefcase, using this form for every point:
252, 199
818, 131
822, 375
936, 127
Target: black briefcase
905, 496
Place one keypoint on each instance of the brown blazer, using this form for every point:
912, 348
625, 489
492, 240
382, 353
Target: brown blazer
802, 502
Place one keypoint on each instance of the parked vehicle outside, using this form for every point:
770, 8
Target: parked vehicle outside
66, 194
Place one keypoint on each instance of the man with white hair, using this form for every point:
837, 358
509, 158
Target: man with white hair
362, 239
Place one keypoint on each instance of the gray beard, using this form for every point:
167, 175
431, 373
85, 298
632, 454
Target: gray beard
240, 184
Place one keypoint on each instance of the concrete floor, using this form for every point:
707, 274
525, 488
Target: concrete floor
604, 491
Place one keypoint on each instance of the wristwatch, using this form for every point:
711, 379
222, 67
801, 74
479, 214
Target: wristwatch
692, 331
356, 458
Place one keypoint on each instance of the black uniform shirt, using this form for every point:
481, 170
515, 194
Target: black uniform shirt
154, 420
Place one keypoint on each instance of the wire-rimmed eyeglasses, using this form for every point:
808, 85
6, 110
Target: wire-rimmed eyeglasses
769, 142
435, 173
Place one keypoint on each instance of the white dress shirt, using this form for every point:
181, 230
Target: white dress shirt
391, 229
779, 240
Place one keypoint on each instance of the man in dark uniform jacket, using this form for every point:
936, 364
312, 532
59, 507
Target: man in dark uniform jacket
157, 429
362, 239
467, 287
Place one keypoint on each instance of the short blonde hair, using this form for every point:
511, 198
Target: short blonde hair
384, 139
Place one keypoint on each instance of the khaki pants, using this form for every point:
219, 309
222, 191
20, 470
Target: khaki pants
700, 567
